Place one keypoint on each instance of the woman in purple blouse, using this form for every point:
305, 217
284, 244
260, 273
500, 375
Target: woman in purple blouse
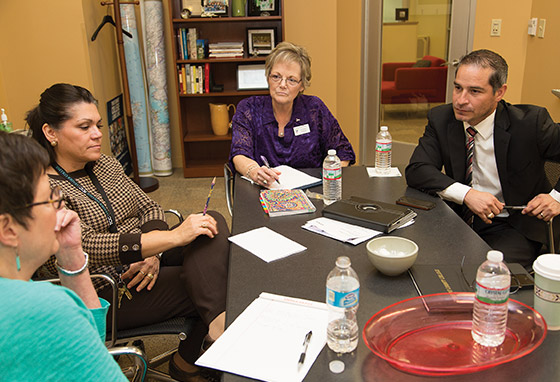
286, 127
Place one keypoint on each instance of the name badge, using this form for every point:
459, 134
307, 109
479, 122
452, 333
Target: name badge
302, 129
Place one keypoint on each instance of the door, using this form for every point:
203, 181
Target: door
409, 48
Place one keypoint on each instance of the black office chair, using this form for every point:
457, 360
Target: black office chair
552, 171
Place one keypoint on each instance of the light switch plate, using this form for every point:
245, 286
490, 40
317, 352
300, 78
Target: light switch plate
540, 28
532, 30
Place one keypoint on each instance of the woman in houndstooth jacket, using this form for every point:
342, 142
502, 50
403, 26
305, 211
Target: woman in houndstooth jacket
170, 272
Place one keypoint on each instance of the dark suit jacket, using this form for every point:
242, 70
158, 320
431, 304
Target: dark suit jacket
524, 138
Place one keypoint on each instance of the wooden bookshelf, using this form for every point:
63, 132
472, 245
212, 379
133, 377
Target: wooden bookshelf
204, 153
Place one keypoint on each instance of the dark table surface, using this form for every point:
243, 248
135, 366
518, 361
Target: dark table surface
442, 238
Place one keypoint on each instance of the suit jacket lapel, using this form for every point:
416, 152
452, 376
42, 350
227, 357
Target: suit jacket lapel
457, 149
501, 144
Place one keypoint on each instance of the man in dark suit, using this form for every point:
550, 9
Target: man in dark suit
511, 144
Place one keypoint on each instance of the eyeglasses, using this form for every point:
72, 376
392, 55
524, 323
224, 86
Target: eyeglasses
278, 79
55, 199
515, 284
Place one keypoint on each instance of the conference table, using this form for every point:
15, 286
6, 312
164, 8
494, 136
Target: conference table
442, 238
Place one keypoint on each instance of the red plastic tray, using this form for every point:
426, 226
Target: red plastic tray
431, 335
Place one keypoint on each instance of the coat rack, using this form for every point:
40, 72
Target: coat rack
147, 184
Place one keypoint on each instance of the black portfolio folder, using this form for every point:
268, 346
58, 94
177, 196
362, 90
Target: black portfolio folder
380, 216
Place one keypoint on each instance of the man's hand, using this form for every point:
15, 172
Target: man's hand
483, 204
543, 206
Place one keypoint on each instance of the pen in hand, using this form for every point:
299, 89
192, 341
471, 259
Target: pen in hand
209, 195
305, 345
265, 161
515, 207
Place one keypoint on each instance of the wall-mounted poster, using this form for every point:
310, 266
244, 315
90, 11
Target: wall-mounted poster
117, 133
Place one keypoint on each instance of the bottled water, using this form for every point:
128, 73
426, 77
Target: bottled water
343, 292
491, 302
383, 148
332, 178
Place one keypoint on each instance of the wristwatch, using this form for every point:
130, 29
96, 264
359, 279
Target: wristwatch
158, 255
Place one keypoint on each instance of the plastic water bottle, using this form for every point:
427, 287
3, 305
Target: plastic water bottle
343, 294
383, 148
491, 302
332, 178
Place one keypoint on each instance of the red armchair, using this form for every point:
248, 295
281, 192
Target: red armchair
403, 83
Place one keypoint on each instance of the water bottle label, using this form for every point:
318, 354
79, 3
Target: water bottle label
343, 299
332, 173
491, 296
383, 146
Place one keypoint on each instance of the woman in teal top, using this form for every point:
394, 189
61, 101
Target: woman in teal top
47, 332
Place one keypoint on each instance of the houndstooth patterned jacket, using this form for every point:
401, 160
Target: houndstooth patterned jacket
135, 213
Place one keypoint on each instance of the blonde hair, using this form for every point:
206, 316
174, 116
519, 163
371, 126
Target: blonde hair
288, 52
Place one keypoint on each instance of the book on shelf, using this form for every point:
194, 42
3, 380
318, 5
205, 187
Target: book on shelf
194, 79
192, 36
225, 49
201, 49
285, 202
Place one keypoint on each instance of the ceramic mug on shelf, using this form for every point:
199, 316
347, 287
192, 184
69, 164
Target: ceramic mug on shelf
219, 117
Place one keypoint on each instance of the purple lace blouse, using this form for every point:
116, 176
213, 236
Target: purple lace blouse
255, 133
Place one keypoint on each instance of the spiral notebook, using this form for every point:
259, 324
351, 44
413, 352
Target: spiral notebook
285, 202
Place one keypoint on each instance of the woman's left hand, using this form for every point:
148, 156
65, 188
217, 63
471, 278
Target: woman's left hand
143, 273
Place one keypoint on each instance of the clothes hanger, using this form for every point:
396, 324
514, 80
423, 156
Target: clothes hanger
107, 19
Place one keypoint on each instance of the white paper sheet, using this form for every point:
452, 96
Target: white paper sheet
345, 232
393, 173
267, 244
266, 340
292, 178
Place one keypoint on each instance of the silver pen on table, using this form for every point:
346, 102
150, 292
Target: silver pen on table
265, 161
306, 341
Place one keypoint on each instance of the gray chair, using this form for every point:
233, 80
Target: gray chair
228, 179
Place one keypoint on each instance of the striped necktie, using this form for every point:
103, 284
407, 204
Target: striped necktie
468, 215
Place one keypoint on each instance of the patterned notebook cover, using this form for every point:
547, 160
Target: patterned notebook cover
285, 202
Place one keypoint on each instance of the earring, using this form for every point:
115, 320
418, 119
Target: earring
54, 143
18, 262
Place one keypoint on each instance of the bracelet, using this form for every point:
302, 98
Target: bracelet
158, 255
72, 273
251, 168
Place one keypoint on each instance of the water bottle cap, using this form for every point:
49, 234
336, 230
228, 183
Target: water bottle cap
4, 116
384, 128
343, 262
495, 256
331, 152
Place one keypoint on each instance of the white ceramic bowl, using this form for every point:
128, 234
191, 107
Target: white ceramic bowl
392, 255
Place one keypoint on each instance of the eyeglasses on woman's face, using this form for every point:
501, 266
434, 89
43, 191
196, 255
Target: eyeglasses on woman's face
276, 78
55, 199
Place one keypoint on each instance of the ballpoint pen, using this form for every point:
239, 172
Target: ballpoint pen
515, 207
265, 161
305, 345
209, 195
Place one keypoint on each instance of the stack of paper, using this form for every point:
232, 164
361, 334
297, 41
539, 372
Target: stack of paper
345, 232
265, 341
267, 244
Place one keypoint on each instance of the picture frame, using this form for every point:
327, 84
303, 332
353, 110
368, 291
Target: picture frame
263, 7
214, 7
260, 41
401, 14
251, 77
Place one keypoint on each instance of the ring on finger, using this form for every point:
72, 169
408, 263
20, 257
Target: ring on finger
143, 273
203, 225
150, 276
541, 215
490, 215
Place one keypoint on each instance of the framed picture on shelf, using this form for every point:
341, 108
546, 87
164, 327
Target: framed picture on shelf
214, 7
260, 41
251, 77
401, 14
263, 7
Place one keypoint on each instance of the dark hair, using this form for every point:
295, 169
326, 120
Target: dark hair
488, 59
53, 109
23, 162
